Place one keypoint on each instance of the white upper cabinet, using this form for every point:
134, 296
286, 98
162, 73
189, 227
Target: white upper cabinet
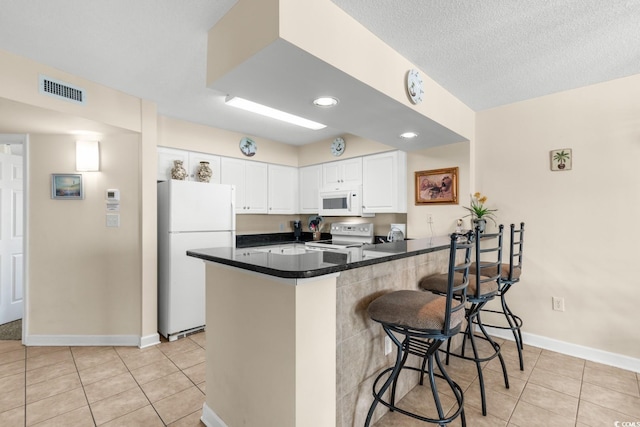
190, 162
310, 183
250, 179
384, 183
342, 173
283, 189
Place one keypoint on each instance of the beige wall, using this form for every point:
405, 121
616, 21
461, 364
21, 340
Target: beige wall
581, 224
84, 277
194, 137
444, 216
320, 152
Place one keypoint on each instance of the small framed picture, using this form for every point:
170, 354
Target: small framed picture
561, 159
66, 186
437, 186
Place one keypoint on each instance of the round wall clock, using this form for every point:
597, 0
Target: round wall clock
415, 88
337, 146
248, 146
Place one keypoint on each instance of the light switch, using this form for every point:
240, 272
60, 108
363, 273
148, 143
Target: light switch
113, 220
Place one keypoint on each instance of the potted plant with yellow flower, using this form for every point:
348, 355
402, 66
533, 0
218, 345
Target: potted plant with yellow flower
479, 213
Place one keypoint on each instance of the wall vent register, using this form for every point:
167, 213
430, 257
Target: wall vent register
61, 90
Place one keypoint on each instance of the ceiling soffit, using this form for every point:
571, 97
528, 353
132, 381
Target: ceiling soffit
272, 65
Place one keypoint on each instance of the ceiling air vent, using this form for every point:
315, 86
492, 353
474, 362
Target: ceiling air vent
61, 90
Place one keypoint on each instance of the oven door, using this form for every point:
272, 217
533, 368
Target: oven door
341, 203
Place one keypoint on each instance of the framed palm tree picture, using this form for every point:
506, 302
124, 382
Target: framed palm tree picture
561, 159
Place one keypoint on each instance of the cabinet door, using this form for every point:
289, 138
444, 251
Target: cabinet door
166, 157
256, 188
233, 172
384, 183
331, 175
283, 189
352, 172
194, 164
342, 173
310, 182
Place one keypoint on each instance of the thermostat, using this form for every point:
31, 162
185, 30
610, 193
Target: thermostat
113, 195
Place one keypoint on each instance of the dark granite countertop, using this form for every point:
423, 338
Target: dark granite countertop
291, 260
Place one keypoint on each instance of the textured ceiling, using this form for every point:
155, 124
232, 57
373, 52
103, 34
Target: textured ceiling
486, 53
491, 53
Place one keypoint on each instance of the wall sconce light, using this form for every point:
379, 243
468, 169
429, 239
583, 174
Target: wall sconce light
87, 156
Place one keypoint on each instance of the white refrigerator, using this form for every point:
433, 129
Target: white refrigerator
191, 215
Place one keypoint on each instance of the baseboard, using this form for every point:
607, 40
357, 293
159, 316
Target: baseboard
210, 418
82, 340
575, 350
149, 340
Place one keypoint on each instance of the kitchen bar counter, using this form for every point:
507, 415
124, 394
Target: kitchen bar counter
289, 342
315, 263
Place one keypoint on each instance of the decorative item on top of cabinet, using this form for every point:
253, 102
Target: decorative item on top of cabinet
178, 172
204, 172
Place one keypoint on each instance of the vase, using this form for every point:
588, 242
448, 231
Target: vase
204, 172
479, 223
178, 172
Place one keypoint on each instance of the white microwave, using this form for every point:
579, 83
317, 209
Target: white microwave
344, 202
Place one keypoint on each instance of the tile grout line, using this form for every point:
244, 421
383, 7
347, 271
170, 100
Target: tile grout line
84, 391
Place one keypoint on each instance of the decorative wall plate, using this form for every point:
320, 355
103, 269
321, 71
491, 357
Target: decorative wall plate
415, 86
337, 146
248, 146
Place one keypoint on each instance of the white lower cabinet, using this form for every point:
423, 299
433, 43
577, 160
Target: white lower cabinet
283, 189
310, 178
384, 183
250, 179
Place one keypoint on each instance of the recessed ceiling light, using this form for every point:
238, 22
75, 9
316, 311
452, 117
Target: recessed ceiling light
408, 135
254, 107
325, 101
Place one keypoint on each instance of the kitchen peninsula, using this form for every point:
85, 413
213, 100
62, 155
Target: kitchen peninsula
289, 342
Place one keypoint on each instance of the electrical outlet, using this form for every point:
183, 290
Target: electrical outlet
387, 345
558, 303
429, 218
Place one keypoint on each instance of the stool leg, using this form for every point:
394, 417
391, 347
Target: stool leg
515, 329
454, 387
496, 347
392, 378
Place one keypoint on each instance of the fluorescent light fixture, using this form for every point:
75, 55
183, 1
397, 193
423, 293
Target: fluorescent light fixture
87, 156
408, 135
244, 104
325, 101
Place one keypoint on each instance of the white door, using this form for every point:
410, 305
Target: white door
11, 229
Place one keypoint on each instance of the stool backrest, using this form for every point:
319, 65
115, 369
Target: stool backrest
515, 251
457, 293
488, 254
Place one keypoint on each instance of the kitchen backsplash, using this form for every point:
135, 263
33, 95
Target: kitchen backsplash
253, 224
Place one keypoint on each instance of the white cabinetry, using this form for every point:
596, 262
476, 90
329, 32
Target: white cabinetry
384, 183
342, 174
283, 189
250, 179
190, 161
310, 183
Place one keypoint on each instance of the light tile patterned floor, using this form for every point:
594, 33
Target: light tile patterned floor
552, 390
162, 385
165, 385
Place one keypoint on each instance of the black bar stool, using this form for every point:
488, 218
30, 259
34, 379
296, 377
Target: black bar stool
510, 274
425, 320
482, 289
